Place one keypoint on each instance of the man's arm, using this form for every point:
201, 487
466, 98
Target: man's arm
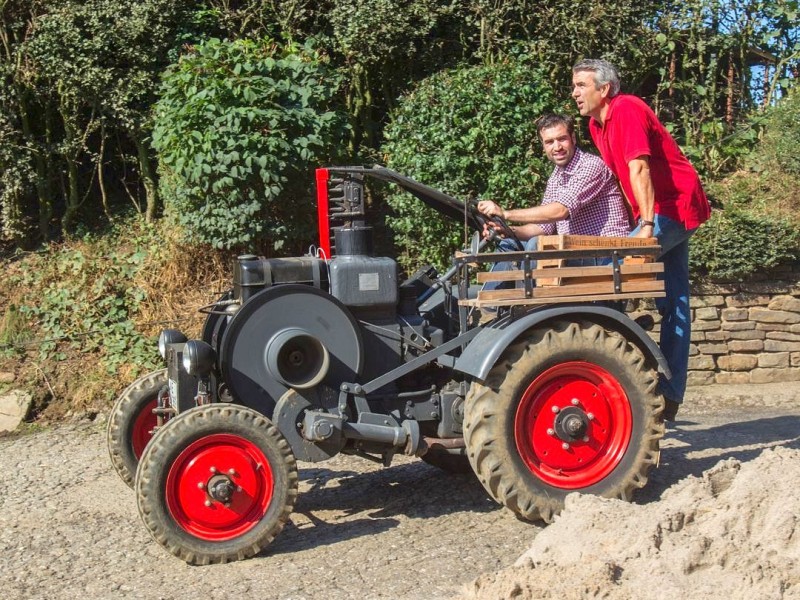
643, 192
547, 213
526, 232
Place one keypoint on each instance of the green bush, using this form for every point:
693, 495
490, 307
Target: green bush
736, 243
80, 298
471, 133
778, 149
238, 128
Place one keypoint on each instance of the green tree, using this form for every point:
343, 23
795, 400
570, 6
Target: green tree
471, 132
708, 88
100, 61
238, 128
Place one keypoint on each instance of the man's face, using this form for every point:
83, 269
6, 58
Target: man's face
588, 97
559, 145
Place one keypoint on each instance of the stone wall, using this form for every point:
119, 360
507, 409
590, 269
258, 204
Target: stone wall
744, 332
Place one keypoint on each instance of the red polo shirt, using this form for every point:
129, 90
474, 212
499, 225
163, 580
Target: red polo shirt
631, 129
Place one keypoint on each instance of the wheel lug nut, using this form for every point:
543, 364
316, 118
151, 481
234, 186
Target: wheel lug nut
565, 446
555, 409
231, 472
574, 401
207, 502
590, 416
586, 438
200, 485
551, 432
238, 488
213, 469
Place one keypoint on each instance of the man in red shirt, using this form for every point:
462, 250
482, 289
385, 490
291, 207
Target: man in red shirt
665, 194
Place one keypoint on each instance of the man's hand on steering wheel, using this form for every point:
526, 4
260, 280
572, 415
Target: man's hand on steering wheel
495, 226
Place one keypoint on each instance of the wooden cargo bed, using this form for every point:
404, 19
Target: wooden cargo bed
543, 276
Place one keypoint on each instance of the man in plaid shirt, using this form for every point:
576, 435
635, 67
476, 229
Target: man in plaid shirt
582, 196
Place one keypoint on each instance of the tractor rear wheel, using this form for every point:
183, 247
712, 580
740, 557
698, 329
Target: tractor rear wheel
131, 423
216, 484
571, 408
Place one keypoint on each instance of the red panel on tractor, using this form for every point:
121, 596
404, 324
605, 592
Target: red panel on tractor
323, 224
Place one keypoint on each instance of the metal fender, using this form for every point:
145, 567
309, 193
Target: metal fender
486, 348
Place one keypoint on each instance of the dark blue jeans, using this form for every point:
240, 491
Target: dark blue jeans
508, 245
676, 319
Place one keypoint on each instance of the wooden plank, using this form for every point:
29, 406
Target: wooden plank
518, 293
604, 270
643, 286
573, 290
560, 300
585, 242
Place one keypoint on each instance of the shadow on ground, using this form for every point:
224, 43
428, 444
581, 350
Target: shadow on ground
368, 503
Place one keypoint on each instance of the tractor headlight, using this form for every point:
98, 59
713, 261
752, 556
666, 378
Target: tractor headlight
198, 358
167, 337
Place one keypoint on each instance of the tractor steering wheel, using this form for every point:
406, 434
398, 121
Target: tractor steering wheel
504, 228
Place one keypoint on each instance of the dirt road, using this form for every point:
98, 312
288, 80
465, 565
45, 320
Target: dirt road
69, 527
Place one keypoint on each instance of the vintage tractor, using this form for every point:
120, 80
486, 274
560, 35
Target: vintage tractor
312, 356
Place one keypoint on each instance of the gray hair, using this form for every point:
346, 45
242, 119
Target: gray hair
604, 72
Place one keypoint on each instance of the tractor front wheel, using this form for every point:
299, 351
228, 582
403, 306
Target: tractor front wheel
131, 423
216, 484
571, 408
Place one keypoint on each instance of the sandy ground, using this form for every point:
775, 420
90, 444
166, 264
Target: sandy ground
718, 519
730, 530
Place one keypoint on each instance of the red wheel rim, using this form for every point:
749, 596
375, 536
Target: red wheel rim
591, 396
209, 459
143, 427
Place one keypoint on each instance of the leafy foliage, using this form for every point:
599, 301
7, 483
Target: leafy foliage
708, 87
736, 243
781, 140
237, 129
81, 300
470, 132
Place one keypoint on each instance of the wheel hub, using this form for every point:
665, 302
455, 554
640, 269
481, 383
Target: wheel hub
221, 488
571, 424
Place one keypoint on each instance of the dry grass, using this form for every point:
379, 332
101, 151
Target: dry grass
176, 287
177, 279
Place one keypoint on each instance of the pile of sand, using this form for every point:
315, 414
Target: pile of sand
732, 533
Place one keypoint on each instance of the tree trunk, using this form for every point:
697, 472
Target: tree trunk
72, 198
148, 179
100, 172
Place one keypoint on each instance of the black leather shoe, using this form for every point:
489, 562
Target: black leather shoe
670, 410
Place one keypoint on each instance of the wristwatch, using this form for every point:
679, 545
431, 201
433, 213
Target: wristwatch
642, 223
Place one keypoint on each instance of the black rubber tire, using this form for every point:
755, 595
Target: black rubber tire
121, 421
454, 461
178, 435
490, 411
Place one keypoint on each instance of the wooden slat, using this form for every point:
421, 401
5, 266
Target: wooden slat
559, 299
586, 242
604, 270
575, 290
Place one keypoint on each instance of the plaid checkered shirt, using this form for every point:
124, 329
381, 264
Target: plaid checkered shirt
591, 194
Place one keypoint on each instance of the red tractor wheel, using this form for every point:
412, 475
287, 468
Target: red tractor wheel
571, 408
131, 423
216, 484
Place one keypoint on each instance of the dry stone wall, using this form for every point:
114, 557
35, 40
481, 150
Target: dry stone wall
744, 332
